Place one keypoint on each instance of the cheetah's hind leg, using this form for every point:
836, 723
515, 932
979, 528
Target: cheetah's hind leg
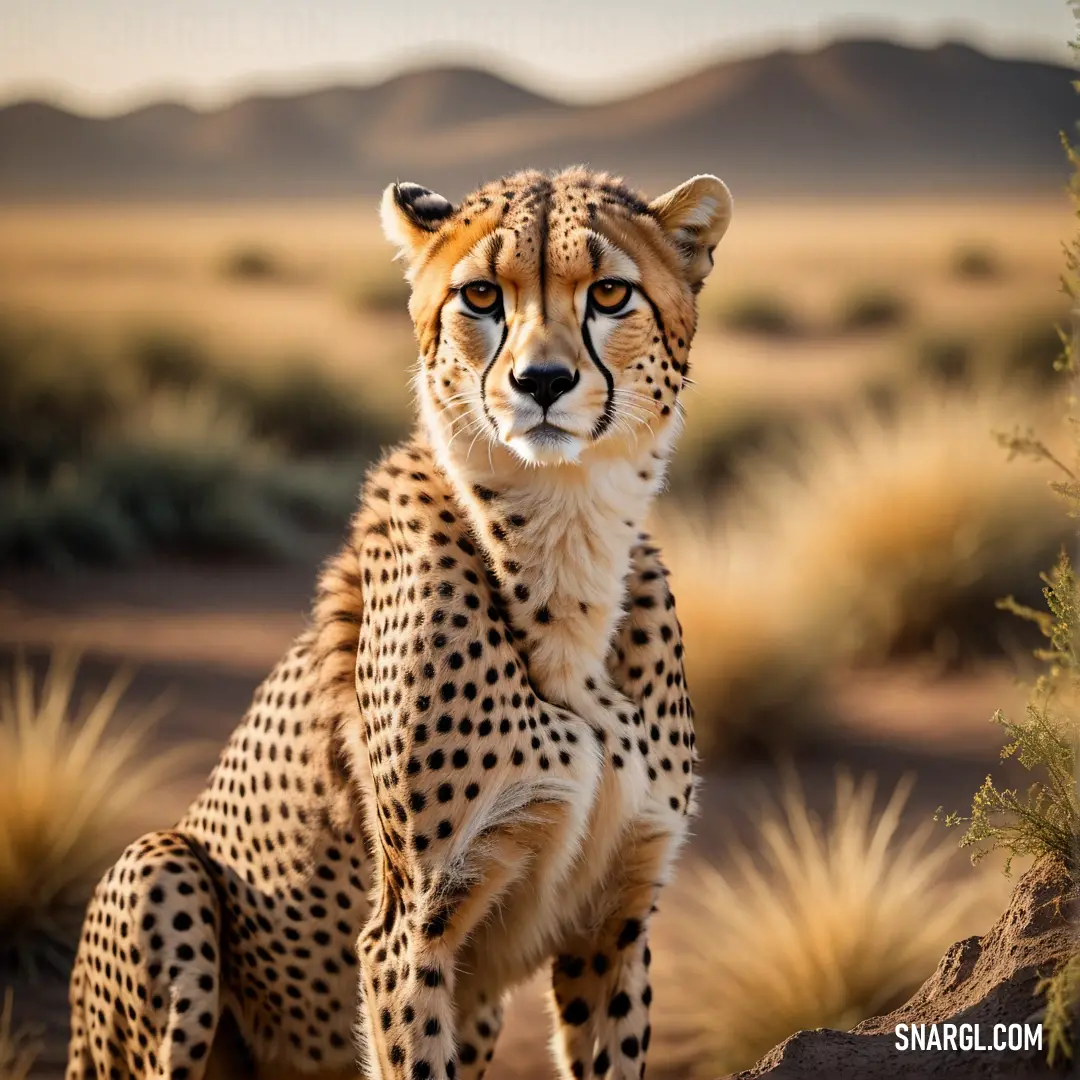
145, 990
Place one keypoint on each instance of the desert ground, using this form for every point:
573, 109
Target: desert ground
922, 324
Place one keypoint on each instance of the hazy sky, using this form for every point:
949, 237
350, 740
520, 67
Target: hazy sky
100, 55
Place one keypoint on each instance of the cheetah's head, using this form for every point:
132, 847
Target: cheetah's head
554, 313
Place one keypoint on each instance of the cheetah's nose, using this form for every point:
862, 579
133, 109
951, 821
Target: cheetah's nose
545, 385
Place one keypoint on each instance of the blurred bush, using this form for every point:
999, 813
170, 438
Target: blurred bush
381, 290
1022, 351
55, 398
135, 502
945, 360
304, 411
251, 263
170, 361
760, 313
157, 446
975, 262
872, 309
711, 453
869, 536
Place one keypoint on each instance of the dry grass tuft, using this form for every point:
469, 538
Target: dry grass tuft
815, 926
68, 793
19, 1048
879, 536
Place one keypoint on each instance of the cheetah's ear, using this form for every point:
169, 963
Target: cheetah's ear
410, 215
695, 215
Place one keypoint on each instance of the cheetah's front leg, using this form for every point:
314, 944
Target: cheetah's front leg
600, 979
477, 1035
409, 955
406, 991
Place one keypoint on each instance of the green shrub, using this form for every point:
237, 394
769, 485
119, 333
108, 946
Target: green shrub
1061, 991
759, 313
1044, 820
872, 309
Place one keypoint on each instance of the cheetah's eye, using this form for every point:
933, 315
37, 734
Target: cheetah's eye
609, 295
481, 296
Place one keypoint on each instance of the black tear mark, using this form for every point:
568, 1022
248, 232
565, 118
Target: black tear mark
487, 371
608, 414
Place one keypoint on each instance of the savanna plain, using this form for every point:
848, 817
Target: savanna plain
189, 396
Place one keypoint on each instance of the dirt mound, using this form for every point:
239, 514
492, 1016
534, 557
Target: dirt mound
986, 981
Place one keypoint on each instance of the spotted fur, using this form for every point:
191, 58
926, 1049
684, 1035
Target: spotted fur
477, 761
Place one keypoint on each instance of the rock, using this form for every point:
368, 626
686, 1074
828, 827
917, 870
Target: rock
985, 981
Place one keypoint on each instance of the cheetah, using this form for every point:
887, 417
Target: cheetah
477, 760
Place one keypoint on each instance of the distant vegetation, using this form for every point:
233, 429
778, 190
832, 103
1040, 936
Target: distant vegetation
1023, 354
382, 292
760, 313
872, 309
251, 263
109, 455
866, 308
945, 360
976, 262
1033, 350
896, 532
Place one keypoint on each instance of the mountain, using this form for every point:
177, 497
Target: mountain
852, 117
